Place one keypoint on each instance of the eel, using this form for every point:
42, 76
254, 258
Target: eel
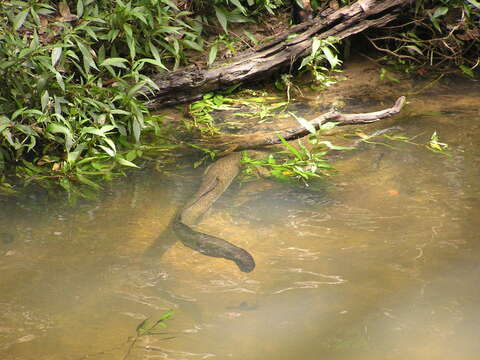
215, 181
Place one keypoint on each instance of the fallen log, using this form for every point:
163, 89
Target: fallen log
286, 48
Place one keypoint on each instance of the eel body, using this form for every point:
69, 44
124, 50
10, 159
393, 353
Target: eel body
215, 181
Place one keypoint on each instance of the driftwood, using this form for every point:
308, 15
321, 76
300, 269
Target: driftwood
259, 139
285, 49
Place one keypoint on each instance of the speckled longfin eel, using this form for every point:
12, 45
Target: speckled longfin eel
215, 181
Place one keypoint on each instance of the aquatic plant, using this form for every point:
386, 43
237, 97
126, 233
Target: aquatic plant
149, 327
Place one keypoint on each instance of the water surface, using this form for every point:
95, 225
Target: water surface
382, 264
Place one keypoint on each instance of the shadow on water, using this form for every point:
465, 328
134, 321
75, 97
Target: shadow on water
380, 264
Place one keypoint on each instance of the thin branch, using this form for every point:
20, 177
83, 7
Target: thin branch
247, 142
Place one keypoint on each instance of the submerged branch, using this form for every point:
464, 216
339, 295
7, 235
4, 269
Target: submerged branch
252, 141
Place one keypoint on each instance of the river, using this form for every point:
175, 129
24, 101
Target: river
382, 263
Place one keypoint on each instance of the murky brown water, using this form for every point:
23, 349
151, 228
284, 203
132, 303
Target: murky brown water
383, 264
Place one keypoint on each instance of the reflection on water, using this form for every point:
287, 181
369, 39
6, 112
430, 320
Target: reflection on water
383, 264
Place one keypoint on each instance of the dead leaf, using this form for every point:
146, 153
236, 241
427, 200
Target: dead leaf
65, 14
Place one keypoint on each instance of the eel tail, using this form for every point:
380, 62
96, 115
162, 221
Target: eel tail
212, 246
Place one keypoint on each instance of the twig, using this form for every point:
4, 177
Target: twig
247, 142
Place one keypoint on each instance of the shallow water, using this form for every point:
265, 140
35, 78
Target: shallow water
381, 264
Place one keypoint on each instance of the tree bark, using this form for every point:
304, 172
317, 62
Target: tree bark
282, 51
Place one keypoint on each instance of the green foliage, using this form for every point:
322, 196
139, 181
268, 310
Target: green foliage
201, 110
253, 104
300, 163
443, 33
148, 327
433, 144
71, 72
68, 106
151, 326
386, 75
436, 146
226, 12
323, 61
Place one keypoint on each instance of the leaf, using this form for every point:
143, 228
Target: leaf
115, 61
4, 123
212, 55
467, 71
60, 81
87, 181
62, 129
125, 162
154, 51
109, 151
475, 3
142, 327
154, 62
80, 8
330, 56
110, 143
75, 154
222, 17
251, 37
239, 6
93, 131
440, 11
128, 30
65, 13
305, 61
88, 61
192, 45
56, 54
435, 23
306, 124
315, 46
414, 48
328, 126
19, 19
131, 47
290, 148
137, 129
134, 89
45, 100
171, 4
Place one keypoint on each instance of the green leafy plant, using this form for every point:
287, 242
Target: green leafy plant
299, 163
70, 78
149, 327
436, 146
323, 61
200, 111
